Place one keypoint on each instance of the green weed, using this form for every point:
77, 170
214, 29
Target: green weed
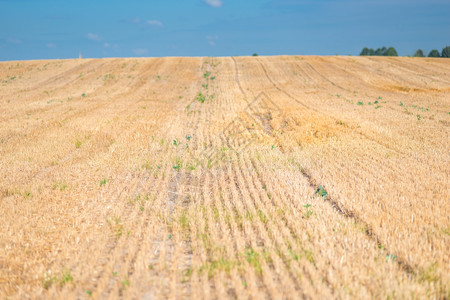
309, 256
116, 226
321, 192
201, 98
183, 220
262, 217
147, 165
308, 211
108, 76
59, 186
446, 231
48, 280
390, 257
187, 274
253, 259
63, 278
293, 255
178, 164
217, 265
430, 274
125, 282
66, 277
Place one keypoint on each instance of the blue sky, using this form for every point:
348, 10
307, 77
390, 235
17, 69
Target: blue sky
43, 29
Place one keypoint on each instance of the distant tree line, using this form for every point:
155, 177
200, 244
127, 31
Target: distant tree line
379, 52
392, 52
433, 53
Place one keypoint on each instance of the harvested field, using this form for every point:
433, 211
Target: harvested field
235, 177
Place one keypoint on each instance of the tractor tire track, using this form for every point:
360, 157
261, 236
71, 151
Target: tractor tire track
339, 207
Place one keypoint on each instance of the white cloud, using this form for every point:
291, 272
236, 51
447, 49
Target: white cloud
135, 20
155, 23
106, 45
214, 3
211, 39
51, 45
93, 36
13, 41
140, 51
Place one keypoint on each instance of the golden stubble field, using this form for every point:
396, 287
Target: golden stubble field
235, 177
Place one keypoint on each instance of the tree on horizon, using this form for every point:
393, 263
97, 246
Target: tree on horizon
419, 53
434, 53
383, 51
391, 52
445, 52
